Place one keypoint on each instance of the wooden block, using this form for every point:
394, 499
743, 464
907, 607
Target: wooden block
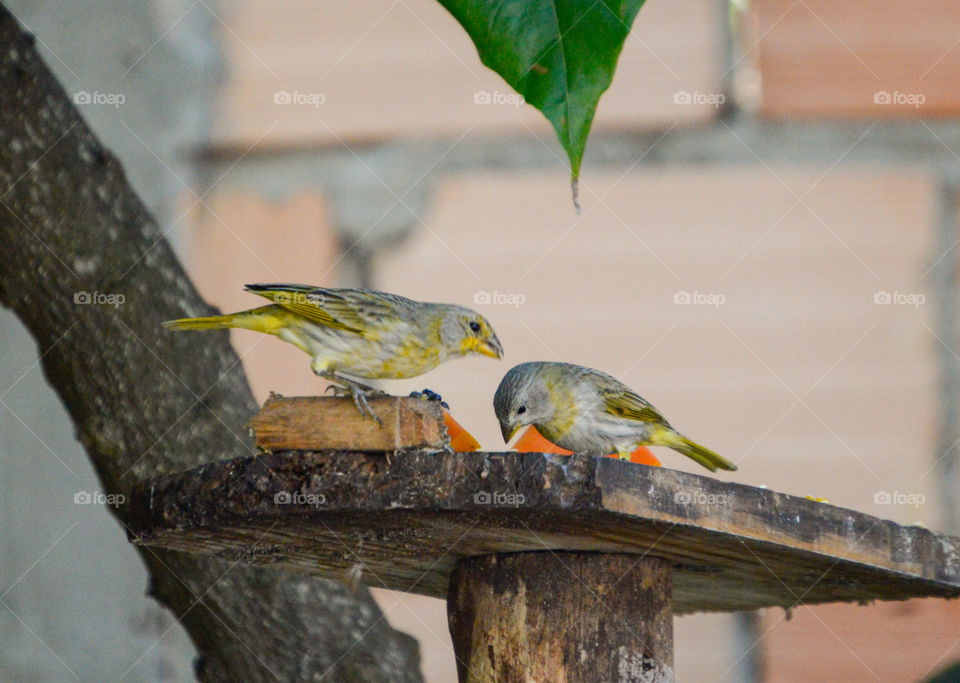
334, 423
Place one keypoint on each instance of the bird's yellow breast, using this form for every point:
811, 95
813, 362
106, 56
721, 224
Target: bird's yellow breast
411, 353
565, 412
409, 360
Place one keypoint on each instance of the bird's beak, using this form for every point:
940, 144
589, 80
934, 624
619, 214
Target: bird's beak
490, 347
508, 431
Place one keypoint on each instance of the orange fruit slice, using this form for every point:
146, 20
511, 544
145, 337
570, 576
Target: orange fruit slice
461, 441
532, 441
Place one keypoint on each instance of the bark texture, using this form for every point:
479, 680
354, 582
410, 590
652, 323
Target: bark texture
145, 402
571, 617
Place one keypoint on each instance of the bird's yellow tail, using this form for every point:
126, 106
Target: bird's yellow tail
712, 461
264, 319
214, 322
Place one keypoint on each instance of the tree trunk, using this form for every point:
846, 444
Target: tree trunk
89, 273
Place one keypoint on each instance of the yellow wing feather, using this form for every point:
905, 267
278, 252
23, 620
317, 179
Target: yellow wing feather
627, 404
315, 304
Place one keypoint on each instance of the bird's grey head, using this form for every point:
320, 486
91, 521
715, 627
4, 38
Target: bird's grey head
463, 331
523, 398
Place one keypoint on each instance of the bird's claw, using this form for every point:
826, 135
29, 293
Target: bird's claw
359, 393
429, 395
360, 401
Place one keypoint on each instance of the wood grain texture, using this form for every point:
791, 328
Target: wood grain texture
562, 617
304, 422
409, 521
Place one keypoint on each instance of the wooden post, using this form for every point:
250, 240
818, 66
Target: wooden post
562, 616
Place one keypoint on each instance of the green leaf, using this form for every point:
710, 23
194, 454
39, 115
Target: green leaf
559, 54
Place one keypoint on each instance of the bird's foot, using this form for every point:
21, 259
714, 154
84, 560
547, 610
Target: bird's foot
428, 395
360, 401
358, 392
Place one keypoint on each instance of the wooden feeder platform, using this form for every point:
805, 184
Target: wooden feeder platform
554, 567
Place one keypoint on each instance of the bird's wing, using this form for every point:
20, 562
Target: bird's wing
624, 403
353, 310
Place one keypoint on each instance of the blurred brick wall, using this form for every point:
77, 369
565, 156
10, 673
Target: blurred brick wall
860, 58
892, 641
385, 68
241, 238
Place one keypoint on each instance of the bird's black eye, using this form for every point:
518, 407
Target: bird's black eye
521, 410
474, 326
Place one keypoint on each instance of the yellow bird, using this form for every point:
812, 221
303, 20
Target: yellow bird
587, 411
360, 332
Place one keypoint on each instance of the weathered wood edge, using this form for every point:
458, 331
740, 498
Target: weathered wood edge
869, 558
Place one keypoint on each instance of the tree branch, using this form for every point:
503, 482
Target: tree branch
145, 402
